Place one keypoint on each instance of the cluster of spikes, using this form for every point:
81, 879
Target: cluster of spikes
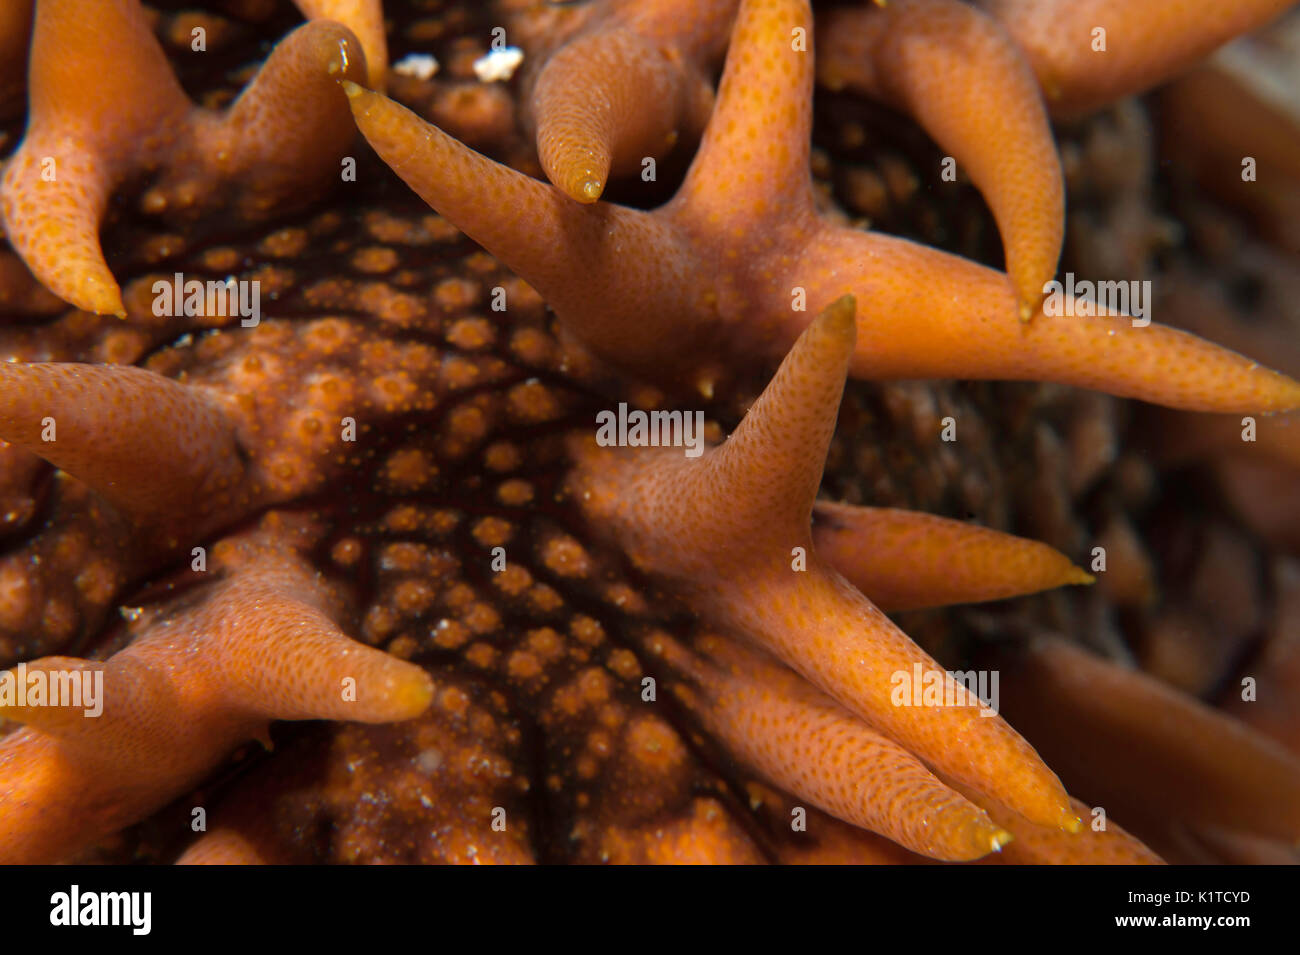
796, 681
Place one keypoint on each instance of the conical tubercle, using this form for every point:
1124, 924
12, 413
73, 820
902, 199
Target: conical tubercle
806, 743
200, 679
87, 116
296, 89
95, 125
907, 560
588, 100
731, 531
156, 449
589, 104
530, 225
958, 72
762, 121
936, 315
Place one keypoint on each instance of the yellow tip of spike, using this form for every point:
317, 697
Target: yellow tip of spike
841, 312
1072, 823
1288, 392
103, 299
591, 190
1000, 838
835, 324
413, 694
352, 89
1026, 312
1077, 575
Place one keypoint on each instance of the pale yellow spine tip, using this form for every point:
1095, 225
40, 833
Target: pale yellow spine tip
1289, 399
591, 189
1026, 312
1077, 575
1072, 823
840, 312
413, 696
352, 89
1000, 838
108, 302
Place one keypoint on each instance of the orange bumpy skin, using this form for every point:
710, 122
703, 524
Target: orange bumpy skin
960, 75
788, 666
160, 452
732, 266
732, 530
194, 684
588, 96
93, 125
809, 745
153, 465
903, 560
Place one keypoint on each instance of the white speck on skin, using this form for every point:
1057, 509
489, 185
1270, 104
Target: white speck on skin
420, 65
499, 65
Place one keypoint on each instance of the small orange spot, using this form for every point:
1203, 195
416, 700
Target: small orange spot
565, 556
492, 531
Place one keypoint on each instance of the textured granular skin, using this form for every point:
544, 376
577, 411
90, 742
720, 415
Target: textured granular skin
424, 435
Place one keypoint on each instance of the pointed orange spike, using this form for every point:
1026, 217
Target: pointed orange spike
905, 560
731, 530
283, 659
761, 127
723, 270
94, 124
804, 396
807, 744
1129, 740
451, 178
577, 139
959, 74
87, 116
1142, 44
574, 255
588, 100
190, 688
245, 147
155, 448
365, 18
935, 315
